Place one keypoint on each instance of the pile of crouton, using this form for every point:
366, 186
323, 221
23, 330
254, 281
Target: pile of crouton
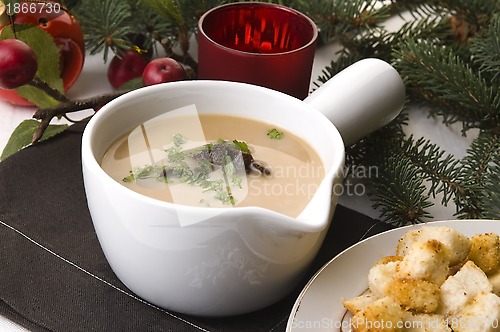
439, 280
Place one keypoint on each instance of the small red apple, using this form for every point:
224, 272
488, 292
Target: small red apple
18, 64
126, 67
163, 70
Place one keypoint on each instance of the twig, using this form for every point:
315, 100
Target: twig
185, 59
37, 82
69, 106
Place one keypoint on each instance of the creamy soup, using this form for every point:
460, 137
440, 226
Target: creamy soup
171, 158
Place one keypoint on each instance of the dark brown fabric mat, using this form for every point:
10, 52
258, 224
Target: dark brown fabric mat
53, 274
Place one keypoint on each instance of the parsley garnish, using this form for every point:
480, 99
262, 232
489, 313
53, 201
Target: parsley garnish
243, 146
195, 166
275, 134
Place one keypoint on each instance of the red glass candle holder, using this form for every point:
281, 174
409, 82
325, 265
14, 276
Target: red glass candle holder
258, 43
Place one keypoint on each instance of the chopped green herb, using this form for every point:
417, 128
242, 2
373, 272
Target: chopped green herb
179, 140
147, 172
243, 146
275, 134
175, 155
236, 180
195, 166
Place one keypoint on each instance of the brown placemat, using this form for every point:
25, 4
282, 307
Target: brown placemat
53, 274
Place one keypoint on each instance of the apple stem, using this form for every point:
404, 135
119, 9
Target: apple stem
69, 106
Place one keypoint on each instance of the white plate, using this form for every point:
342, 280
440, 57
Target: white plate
319, 307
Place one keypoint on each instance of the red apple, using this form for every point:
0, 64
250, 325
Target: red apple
126, 67
18, 64
163, 70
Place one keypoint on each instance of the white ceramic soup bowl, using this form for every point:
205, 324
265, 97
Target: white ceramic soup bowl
227, 261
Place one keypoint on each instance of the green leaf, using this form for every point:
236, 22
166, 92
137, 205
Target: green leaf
47, 55
133, 84
23, 134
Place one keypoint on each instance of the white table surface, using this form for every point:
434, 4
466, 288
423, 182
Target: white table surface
93, 81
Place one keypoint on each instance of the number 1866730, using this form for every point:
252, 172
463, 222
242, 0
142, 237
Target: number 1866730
33, 7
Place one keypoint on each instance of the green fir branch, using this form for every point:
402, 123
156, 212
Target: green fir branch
416, 8
399, 192
369, 150
475, 13
434, 74
148, 26
352, 16
491, 198
321, 12
170, 9
436, 167
106, 25
434, 26
475, 174
486, 52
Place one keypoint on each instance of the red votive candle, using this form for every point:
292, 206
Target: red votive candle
258, 43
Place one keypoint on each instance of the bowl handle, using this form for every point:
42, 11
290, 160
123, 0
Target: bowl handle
360, 99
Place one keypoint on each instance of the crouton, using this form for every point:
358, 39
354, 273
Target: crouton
381, 315
462, 287
380, 276
479, 315
485, 252
457, 244
359, 303
495, 282
426, 260
415, 294
427, 323
388, 259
